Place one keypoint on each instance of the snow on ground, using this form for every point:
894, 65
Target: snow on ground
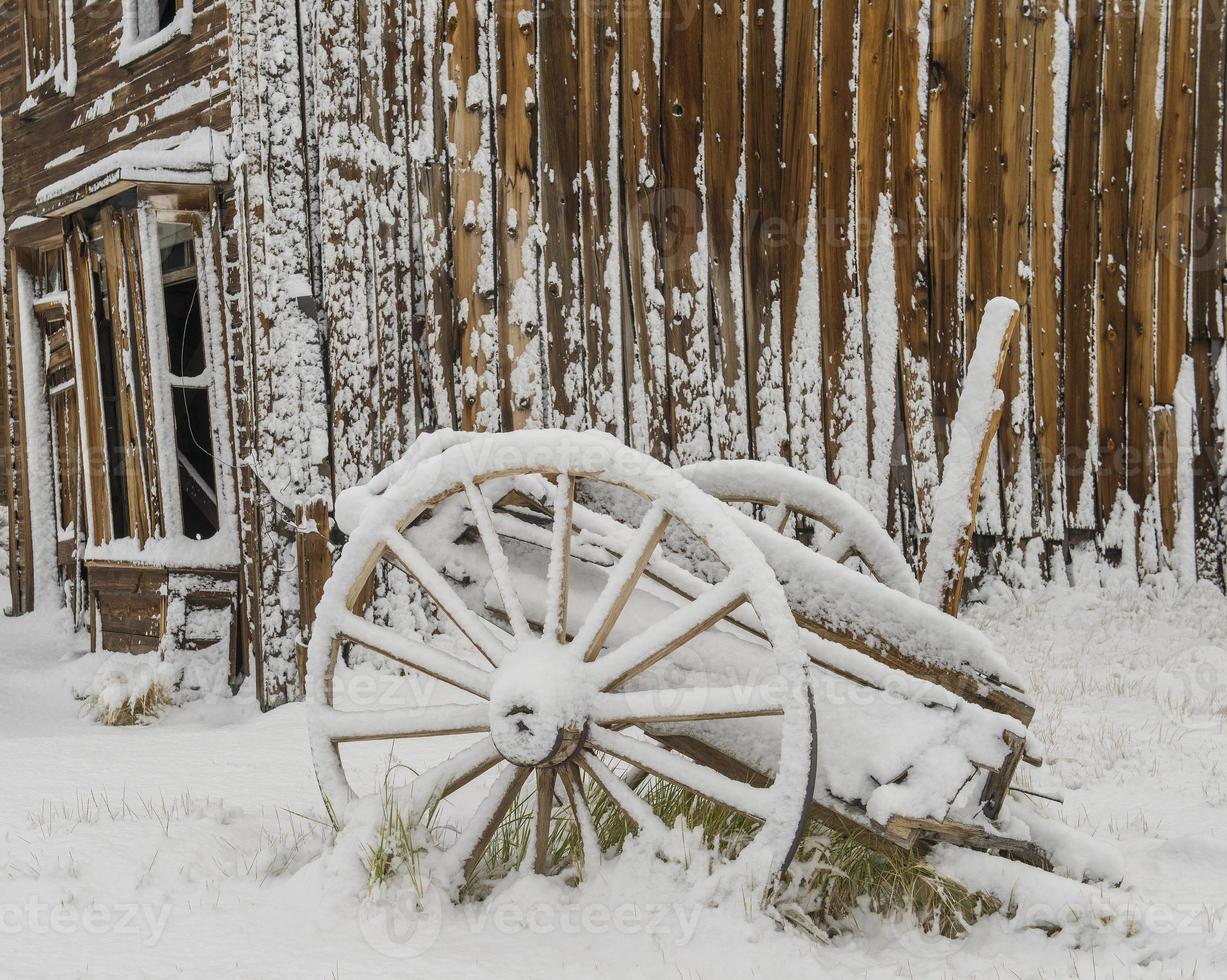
187, 848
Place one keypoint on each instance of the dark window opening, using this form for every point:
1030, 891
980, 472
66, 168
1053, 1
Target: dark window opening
197, 481
166, 13
184, 331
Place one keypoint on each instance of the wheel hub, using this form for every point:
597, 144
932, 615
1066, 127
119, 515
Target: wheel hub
539, 705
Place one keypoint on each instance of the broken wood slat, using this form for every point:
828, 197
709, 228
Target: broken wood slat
944, 152
914, 833
134, 436
561, 290
681, 208
517, 237
942, 581
1078, 278
721, 135
600, 241
1120, 34
98, 494
473, 258
1047, 184
760, 259
649, 396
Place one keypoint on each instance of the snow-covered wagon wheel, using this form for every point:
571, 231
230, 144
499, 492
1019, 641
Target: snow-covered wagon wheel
557, 691
784, 493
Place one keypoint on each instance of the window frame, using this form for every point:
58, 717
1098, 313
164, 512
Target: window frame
133, 45
59, 75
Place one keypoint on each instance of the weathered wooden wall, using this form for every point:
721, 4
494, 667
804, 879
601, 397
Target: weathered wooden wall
723, 229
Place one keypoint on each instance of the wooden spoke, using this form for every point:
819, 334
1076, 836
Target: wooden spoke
624, 796
777, 517
498, 559
470, 847
545, 812
685, 704
476, 629
623, 577
750, 800
458, 770
422, 722
557, 585
583, 814
411, 653
838, 548
675, 630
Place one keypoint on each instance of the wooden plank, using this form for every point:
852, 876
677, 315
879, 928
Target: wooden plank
467, 66
1141, 283
558, 161
681, 209
800, 329
435, 329
517, 238
944, 152
1080, 250
910, 101
721, 134
1166, 468
759, 232
1047, 231
1209, 263
1173, 233
1111, 316
1014, 435
650, 399
600, 245
842, 345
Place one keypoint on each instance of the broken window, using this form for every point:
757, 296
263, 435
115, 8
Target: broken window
189, 379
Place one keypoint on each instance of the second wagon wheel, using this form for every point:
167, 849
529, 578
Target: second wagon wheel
558, 689
784, 492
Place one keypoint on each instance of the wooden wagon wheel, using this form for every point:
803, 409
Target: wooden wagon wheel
784, 492
547, 703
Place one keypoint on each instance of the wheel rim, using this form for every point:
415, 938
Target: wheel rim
556, 700
784, 493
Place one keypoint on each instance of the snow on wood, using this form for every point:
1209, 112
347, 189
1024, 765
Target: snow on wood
971, 437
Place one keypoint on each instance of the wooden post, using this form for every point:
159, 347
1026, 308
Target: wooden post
314, 567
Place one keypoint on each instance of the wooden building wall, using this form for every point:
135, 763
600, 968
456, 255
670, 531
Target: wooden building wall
181, 85
768, 229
